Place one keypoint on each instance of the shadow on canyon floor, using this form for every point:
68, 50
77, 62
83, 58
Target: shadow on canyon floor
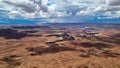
11, 61
14, 34
98, 45
45, 50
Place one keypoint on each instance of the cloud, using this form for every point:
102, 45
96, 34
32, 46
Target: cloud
103, 8
26, 7
60, 8
113, 2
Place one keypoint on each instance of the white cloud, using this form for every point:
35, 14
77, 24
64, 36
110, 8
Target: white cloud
60, 8
25, 8
110, 9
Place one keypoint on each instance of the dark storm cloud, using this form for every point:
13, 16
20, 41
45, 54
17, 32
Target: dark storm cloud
114, 2
26, 7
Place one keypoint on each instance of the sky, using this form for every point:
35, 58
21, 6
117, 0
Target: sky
59, 11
